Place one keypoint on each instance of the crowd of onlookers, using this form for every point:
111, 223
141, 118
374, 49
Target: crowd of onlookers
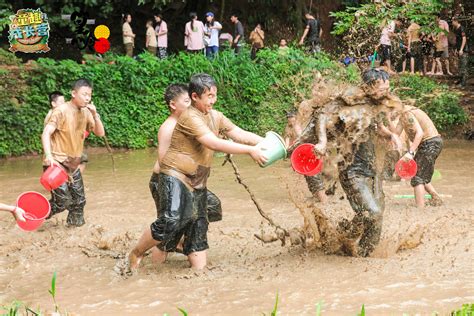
206, 37
409, 43
418, 48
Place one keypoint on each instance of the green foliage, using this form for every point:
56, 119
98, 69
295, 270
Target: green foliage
436, 100
129, 93
183, 312
361, 26
362, 311
466, 310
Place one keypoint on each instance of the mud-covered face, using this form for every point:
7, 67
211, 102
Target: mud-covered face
378, 89
206, 100
82, 96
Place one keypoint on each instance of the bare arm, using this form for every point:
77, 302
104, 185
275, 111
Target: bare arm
164, 141
46, 141
305, 33
211, 141
461, 50
98, 126
17, 212
320, 32
261, 34
243, 137
411, 123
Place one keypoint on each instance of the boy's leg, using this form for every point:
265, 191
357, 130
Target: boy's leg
195, 236
198, 259
419, 195
316, 187
146, 242
76, 210
60, 199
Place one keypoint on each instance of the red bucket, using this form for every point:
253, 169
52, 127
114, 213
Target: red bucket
304, 161
36, 208
406, 169
53, 177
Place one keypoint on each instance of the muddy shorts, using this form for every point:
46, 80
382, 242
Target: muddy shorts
69, 196
385, 53
390, 159
214, 208
315, 183
425, 158
181, 213
442, 53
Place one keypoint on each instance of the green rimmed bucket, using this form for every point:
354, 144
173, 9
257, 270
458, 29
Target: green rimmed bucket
273, 147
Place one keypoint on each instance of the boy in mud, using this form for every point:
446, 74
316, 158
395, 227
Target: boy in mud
426, 142
184, 170
56, 99
63, 143
177, 98
351, 123
315, 183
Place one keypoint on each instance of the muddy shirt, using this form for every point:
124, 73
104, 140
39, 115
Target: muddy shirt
67, 141
187, 159
429, 129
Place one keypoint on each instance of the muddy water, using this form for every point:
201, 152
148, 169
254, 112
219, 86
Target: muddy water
424, 263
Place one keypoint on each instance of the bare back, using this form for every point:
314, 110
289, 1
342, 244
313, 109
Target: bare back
164, 140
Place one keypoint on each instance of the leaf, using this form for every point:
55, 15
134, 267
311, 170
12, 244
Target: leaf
275, 308
362, 311
52, 291
183, 311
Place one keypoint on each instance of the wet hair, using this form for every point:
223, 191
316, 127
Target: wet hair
199, 83
125, 16
53, 96
81, 83
174, 90
373, 74
192, 16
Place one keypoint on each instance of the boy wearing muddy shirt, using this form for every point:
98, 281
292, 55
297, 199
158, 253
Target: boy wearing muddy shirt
184, 171
350, 125
426, 142
177, 98
63, 143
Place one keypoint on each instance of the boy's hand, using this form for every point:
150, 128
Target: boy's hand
257, 154
19, 214
319, 149
92, 108
49, 160
407, 157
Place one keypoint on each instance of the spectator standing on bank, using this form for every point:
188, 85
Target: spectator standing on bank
211, 35
151, 42
128, 35
194, 35
414, 46
312, 34
461, 50
161, 30
442, 48
238, 33
256, 39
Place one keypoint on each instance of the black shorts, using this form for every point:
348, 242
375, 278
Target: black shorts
315, 183
426, 48
416, 50
181, 212
385, 53
425, 158
214, 208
